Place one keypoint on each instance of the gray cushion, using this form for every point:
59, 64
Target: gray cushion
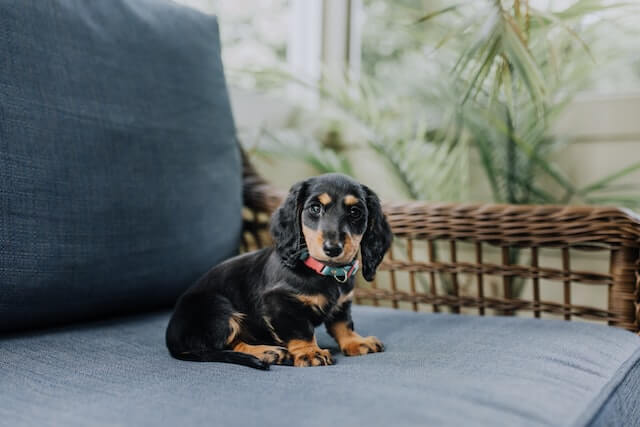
120, 180
438, 369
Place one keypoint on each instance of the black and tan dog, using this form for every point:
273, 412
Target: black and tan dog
262, 308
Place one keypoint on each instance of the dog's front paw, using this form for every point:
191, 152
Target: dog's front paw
357, 345
307, 353
319, 357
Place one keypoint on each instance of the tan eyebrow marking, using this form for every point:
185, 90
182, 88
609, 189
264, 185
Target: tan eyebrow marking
350, 199
324, 198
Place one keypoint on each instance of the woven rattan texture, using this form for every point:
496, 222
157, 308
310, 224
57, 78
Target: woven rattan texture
441, 226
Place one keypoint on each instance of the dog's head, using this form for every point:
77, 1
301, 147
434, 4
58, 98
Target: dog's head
331, 216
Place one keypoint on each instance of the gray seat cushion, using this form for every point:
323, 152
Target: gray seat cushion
438, 370
120, 179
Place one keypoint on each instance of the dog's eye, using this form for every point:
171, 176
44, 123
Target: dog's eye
355, 213
315, 210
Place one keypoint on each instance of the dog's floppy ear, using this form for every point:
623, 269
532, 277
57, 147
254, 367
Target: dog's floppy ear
377, 238
285, 225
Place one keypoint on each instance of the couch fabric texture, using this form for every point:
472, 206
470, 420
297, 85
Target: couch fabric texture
120, 180
437, 370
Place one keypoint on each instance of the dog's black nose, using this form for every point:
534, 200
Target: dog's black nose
332, 249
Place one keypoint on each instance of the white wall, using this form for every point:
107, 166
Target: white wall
605, 134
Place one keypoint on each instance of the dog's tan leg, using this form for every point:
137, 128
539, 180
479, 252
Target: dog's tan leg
307, 353
351, 343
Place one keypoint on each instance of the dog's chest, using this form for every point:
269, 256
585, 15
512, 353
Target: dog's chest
345, 295
327, 305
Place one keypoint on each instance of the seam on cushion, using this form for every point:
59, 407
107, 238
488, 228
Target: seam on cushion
608, 391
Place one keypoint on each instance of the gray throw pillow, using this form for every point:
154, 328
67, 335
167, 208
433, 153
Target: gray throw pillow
120, 178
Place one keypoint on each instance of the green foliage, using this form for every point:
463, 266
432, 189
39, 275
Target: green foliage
517, 69
358, 115
487, 78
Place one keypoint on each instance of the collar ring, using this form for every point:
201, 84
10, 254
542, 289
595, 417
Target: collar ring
342, 279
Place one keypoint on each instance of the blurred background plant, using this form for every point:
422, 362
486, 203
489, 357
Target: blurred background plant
476, 81
518, 68
351, 116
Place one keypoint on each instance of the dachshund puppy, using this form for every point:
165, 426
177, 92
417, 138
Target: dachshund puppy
262, 308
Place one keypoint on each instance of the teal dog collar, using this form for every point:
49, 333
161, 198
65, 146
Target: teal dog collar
341, 273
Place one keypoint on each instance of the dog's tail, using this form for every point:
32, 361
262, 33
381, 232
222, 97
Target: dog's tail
224, 356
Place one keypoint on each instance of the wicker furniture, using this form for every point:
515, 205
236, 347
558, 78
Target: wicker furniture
438, 228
